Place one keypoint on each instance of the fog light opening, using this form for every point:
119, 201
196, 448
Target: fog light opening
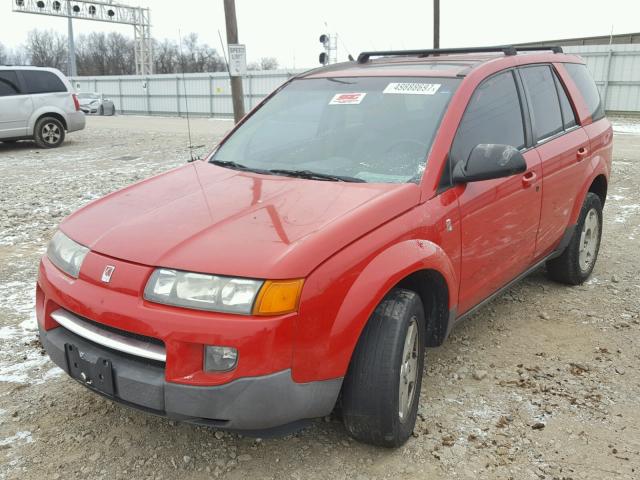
220, 359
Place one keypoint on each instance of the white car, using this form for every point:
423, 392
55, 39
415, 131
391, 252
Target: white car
96, 103
37, 103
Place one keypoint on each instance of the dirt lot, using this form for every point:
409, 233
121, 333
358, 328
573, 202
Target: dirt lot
541, 383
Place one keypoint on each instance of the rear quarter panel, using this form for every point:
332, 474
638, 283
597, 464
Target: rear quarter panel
600, 135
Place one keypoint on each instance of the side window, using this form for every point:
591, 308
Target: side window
493, 115
587, 87
8, 83
42, 82
568, 115
543, 101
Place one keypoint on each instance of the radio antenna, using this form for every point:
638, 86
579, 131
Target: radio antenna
186, 99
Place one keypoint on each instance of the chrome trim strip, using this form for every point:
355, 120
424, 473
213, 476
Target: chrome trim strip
109, 339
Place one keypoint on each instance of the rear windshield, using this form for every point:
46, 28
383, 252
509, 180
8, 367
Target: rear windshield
374, 129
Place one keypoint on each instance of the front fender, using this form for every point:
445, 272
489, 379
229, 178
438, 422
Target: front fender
330, 322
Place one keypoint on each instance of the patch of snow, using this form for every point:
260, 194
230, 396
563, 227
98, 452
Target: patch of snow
626, 212
23, 436
626, 126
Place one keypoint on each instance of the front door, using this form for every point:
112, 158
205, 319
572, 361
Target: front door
499, 218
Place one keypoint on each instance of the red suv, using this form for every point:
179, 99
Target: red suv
348, 222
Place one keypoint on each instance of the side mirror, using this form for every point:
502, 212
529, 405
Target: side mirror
489, 160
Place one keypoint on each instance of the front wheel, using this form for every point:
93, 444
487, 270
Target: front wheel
576, 263
382, 388
101, 111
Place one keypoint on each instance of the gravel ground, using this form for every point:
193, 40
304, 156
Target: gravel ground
541, 383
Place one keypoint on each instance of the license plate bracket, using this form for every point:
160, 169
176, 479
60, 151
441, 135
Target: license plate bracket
97, 375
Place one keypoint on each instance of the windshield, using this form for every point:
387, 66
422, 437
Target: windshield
374, 129
88, 95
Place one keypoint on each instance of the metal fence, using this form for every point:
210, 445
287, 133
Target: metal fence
616, 69
201, 94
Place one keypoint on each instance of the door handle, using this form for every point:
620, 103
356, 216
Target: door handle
582, 153
529, 179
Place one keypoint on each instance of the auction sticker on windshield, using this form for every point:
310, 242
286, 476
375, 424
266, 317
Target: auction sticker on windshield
347, 98
412, 88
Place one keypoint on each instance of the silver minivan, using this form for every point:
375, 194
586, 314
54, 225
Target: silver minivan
37, 103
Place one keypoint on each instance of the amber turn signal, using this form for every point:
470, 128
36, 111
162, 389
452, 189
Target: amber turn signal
277, 297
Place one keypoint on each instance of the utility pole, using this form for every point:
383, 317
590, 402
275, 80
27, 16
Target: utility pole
73, 72
436, 23
232, 38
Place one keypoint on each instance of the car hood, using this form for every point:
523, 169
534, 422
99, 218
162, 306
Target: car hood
205, 218
88, 101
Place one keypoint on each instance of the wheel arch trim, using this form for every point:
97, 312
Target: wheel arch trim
378, 278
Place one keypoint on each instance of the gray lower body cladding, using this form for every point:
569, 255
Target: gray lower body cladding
253, 403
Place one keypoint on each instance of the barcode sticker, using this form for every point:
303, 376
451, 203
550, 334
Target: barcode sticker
412, 88
347, 98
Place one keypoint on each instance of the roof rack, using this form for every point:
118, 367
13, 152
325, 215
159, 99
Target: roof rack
506, 49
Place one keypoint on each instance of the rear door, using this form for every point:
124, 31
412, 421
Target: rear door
499, 218
563, 147
15, 106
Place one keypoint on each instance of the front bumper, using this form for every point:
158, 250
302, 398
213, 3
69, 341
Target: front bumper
255, 403
260, 393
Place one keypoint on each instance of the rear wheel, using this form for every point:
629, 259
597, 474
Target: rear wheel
49, 132
577, 261
382, 387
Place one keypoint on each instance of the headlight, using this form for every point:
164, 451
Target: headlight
66, 254
202, 291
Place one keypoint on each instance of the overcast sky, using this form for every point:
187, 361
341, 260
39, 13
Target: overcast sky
289, 29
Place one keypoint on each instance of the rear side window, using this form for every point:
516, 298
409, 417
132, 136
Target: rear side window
8, 83
568, 116
42, 82
492, 116
543, 101
587, 87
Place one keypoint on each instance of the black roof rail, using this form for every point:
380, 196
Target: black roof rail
506, 49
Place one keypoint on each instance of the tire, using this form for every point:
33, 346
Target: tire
101, 110
576, 263
113, 111
372, 409
49, 132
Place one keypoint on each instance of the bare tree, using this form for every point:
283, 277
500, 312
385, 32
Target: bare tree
165, 56
265, 63
113, 54
105, 54
268, 63
47, 48
4, 55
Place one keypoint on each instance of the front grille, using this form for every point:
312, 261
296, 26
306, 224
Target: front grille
124, 333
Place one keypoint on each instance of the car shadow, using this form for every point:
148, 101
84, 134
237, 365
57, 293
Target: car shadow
22, 145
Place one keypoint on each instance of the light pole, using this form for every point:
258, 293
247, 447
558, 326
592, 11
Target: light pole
73, 71
237, 93
436, 23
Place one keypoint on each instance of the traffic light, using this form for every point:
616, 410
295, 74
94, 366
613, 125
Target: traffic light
323, 58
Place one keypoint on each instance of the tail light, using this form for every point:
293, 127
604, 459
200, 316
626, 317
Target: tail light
76, 102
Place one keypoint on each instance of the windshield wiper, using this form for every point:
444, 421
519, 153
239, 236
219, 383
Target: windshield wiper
239, 166
308, 174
